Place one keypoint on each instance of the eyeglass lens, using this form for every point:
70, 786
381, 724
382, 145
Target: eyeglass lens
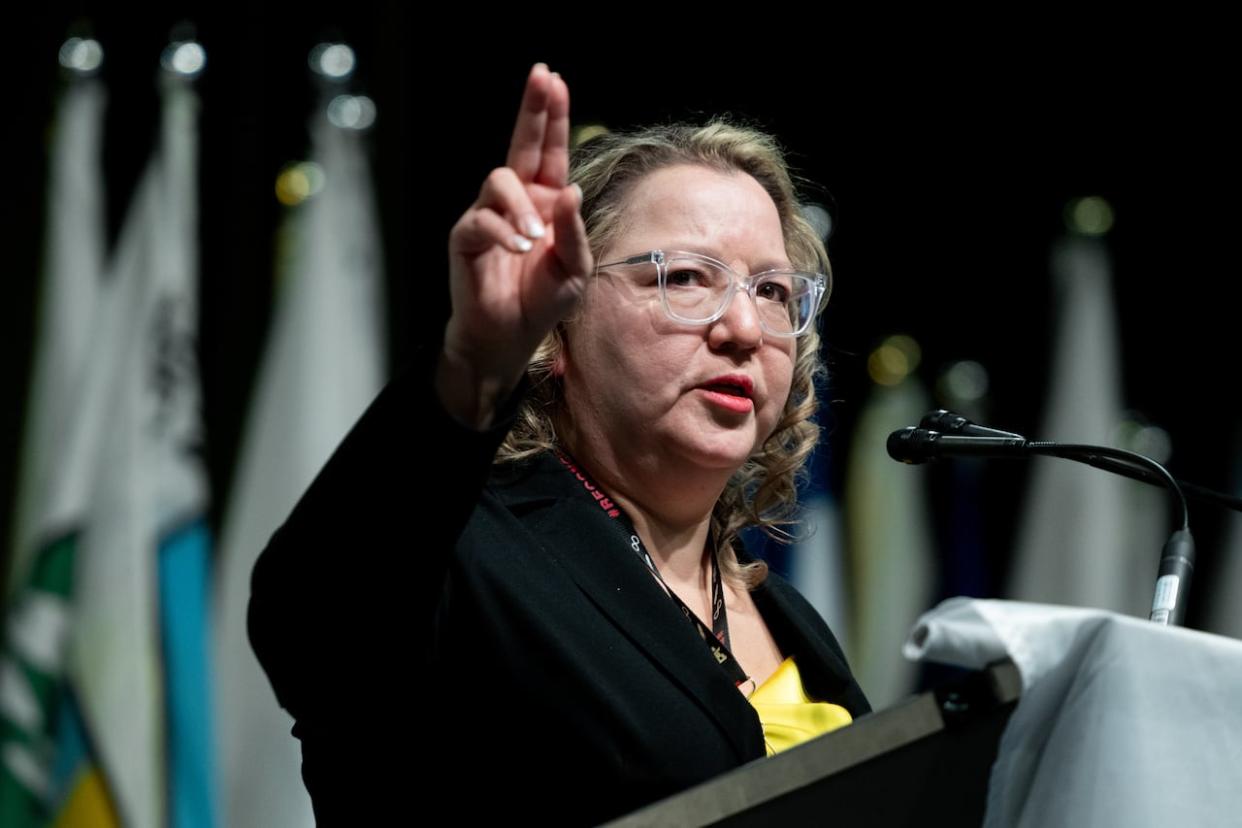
696, 291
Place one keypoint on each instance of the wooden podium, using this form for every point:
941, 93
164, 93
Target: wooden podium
924, 761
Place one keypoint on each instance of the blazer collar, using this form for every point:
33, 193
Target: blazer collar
620, 585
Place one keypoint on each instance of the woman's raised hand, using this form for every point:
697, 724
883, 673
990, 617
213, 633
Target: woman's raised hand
518, 258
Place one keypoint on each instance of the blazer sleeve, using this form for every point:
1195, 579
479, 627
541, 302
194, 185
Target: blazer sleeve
346, 586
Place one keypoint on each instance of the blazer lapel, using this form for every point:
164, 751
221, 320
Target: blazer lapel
621, 586
802, 633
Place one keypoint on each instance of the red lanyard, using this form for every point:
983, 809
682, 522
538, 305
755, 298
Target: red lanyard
717, 638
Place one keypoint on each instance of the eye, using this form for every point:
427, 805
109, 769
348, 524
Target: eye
687, 277
774, 291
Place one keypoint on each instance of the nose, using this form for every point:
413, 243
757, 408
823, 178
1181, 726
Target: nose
739, 326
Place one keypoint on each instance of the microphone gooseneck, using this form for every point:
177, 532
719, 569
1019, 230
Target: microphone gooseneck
917, 445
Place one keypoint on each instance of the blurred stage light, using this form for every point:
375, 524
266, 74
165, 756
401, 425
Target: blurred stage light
185, 58
965, 381
1090, 216
298, 182
81, 54
351, 111
819, 218
582, 134
896, 358
332, 60
1136, 434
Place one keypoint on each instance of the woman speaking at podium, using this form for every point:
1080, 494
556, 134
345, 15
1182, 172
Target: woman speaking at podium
517, 588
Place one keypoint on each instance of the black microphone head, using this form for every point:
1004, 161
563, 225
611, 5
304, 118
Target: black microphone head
909, 445
952, 423
944, 421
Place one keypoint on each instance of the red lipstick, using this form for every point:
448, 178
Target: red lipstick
733, 392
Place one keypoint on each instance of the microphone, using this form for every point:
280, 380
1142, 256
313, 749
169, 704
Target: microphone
1177, 561
952, 423
919, 445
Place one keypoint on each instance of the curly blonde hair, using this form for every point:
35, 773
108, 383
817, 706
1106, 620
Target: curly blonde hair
763, 492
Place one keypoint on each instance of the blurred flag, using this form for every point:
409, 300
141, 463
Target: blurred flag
138, 652
324, 364
173, 426
38, 716
1087, 537
813, 562
118, 592
72, 277
964, 566
892, 550
816, 563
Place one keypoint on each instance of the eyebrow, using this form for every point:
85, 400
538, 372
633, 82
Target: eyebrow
704, 250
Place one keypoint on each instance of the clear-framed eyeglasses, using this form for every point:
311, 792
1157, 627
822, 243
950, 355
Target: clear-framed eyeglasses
697, 289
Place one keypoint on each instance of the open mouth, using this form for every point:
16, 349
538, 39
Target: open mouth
727, 388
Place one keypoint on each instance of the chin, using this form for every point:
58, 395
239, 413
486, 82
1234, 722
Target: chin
725, 454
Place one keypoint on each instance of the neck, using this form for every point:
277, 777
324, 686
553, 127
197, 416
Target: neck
671, 509
678, 547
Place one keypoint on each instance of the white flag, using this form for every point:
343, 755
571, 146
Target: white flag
142, 406
323, 365
892, 550
52, 494
73, 272
1087, 537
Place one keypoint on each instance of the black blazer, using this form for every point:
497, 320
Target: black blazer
441, 631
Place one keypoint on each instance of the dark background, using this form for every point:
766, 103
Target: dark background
946, 157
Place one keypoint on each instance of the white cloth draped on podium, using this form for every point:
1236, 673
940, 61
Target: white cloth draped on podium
1121, 721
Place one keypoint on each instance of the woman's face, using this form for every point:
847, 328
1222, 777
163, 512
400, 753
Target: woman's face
641, 383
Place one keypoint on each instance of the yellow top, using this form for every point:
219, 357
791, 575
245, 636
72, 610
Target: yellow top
789, 717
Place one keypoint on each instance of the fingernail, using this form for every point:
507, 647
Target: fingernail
577, 192
522, 243
533, 227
